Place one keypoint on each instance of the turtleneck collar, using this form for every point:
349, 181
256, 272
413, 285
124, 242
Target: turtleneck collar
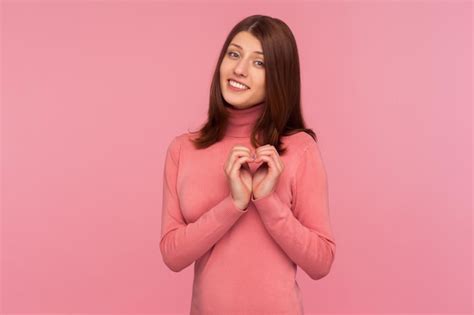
241, 121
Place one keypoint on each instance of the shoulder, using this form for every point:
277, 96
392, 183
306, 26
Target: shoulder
306, 151
181, 142
175, 144
299, 142
179, 139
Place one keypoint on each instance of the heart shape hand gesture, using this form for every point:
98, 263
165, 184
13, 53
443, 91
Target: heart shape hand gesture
243, 183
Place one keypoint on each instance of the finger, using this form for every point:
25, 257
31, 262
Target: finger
241, 147
270, 163
276, 154
259, 152
237, 164
268, 149
237, 147
278, 164
263, 147
234, 155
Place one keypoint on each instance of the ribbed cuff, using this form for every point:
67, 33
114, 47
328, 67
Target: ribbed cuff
271, 207
229, 210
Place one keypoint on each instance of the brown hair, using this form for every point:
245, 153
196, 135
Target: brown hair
282, 113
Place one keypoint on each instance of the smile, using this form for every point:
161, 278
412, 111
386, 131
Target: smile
235, 86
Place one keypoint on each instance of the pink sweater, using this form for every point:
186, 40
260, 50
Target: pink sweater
245, 261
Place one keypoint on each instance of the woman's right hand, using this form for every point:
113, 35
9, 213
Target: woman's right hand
239, 175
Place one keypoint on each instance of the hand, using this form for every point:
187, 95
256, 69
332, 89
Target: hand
239, 175
266, 176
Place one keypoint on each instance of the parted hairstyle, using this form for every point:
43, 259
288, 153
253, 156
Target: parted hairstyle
281, 115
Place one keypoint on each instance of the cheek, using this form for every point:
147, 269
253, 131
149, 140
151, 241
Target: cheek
225, 65
222, 69
222, 73
261, 85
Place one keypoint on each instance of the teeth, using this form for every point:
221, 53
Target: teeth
237, 85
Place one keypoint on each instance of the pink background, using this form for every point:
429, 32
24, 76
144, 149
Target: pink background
93, 92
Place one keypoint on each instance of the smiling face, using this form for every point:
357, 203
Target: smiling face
244, 63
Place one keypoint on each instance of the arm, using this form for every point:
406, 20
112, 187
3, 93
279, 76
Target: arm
181, 244
304, 234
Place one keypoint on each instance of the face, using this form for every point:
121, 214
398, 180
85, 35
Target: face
245, 65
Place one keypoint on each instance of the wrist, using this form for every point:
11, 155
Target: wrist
240, 206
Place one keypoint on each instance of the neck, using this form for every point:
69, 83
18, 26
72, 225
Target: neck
241, 121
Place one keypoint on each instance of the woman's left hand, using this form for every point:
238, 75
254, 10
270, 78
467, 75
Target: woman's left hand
266, 177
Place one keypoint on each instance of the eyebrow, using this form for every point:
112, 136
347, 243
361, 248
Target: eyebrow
257, 52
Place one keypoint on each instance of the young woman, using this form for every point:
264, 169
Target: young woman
246, 197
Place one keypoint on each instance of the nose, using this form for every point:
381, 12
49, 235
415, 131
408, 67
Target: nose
240, 69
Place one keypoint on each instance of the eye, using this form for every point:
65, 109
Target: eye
231, 52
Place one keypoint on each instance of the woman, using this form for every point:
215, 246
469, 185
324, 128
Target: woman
246, 197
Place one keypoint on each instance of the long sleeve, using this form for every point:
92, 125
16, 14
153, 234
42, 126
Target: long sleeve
305, 234
181, 243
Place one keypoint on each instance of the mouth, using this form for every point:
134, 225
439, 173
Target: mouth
237, 86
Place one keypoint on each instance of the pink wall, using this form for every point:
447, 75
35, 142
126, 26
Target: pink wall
93, 91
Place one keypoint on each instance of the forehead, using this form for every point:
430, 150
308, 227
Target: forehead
247, 42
